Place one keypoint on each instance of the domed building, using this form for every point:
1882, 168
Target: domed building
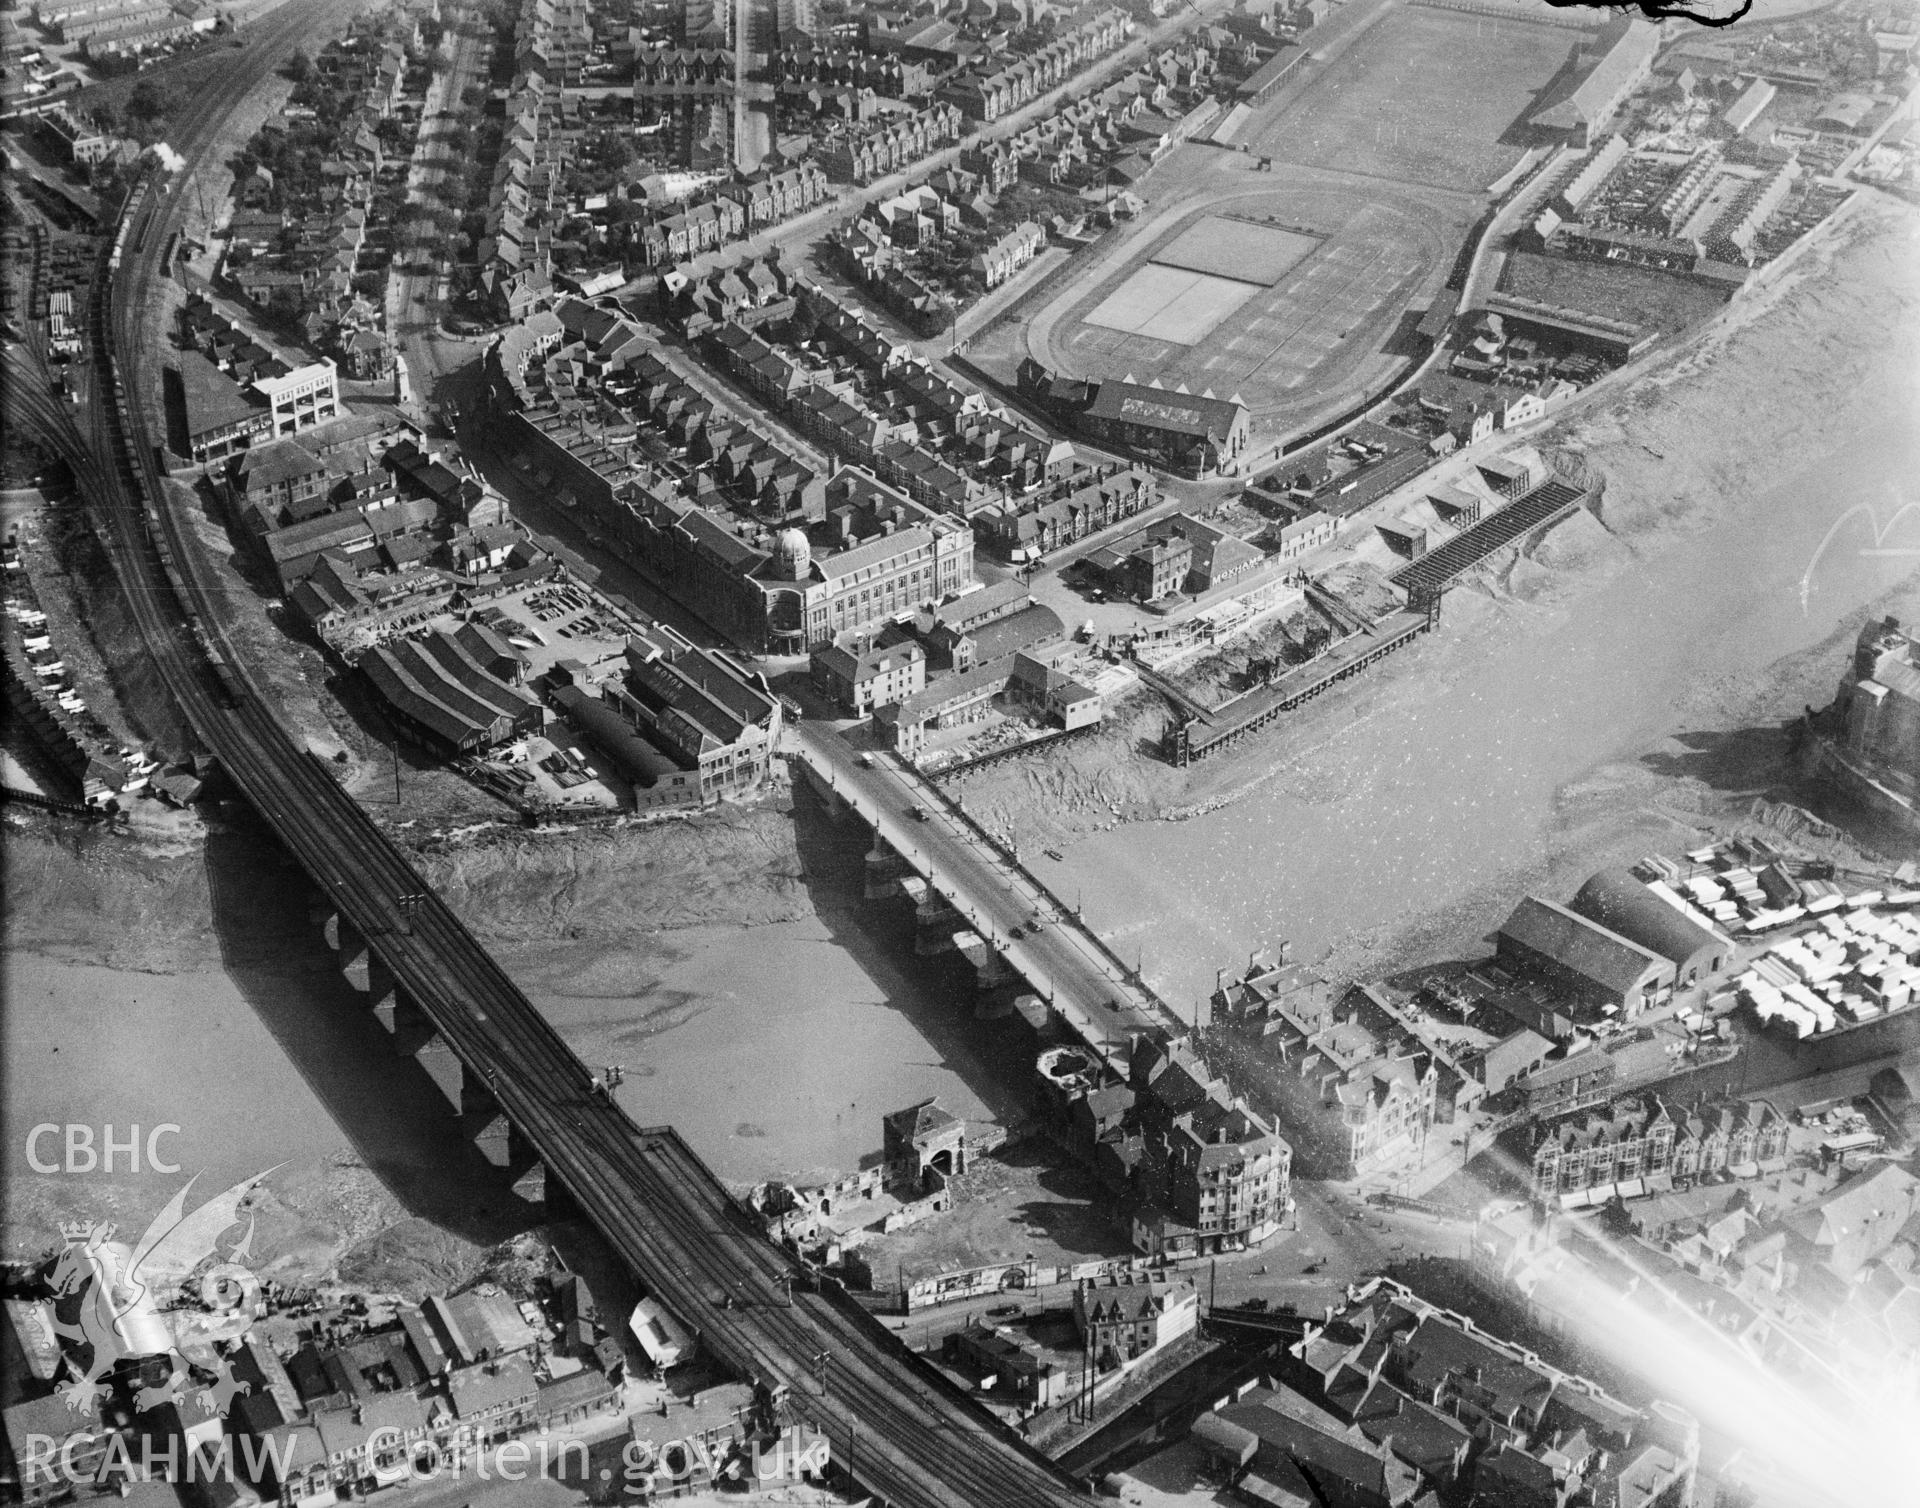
792, 555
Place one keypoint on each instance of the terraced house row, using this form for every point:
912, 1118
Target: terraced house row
758, 543
1393, 1402
988, 92
1046, 496
554, 40
889, 143
526, 177
1649, 1145
803, 65
731, 211
1071, 510
296, 242
829, 412
1118, 119
941, 442
682, 73
746, 294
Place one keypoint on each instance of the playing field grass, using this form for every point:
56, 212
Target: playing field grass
1224, 247
1423, 97
1642, 296
1276, 345
1170, 304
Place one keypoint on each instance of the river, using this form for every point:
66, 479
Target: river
1538, 733
1455, 770
776, 1050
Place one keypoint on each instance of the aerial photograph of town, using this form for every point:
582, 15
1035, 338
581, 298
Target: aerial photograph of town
960, 753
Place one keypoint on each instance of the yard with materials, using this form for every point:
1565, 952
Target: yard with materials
1029, 1200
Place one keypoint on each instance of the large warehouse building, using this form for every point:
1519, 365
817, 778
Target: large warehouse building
1197, 434
1614, 340
1618, 63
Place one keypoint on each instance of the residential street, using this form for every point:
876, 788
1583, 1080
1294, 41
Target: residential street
428, 351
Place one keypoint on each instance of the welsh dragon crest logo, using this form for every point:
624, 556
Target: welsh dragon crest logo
120, 1286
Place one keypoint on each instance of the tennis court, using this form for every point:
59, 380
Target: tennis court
1170, 304
1225, 247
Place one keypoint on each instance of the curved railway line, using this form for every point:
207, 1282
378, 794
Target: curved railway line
914, 1439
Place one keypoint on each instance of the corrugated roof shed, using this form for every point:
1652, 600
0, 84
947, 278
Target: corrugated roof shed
1582, 946
639, 761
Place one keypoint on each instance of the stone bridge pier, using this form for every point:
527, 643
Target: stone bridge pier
886, 870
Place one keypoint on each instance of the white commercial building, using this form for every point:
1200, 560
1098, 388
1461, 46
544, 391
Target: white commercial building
304, 397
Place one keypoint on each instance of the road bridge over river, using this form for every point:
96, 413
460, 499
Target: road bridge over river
1089, 985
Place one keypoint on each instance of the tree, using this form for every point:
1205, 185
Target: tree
940, 314
149, 101
619, 151
300, 67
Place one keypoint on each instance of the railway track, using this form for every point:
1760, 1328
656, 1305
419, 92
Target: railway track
912, 1438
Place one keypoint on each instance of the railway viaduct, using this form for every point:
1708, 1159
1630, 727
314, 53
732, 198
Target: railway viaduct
898, 1429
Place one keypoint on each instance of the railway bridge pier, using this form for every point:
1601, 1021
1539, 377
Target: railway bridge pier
469, 1092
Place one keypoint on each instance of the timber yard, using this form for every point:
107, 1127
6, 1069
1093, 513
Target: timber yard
948, 754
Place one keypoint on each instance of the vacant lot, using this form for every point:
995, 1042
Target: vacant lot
183, 76
1423, 97
1640, 296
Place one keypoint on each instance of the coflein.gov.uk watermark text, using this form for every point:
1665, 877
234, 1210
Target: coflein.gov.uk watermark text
89, 1458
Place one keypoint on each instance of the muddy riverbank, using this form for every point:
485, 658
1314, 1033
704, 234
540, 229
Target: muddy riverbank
727, 962
732, 967
1616, 687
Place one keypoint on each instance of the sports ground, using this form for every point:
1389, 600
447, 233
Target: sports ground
1424, 96
1263, 294
1288, 285
1204, 274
